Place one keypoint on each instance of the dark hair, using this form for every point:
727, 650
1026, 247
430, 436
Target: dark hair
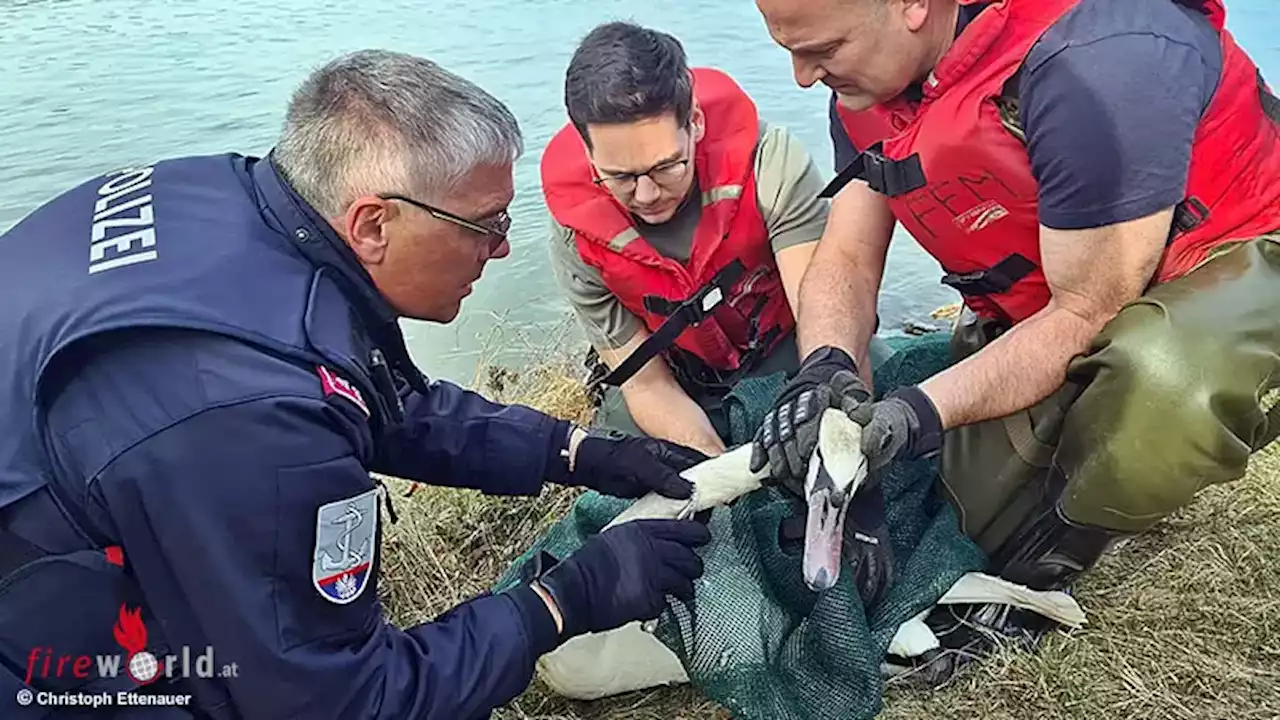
622, 72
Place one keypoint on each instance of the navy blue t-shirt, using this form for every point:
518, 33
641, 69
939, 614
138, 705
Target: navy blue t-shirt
1111, 96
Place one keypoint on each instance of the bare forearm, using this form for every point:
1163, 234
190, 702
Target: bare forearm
1019, 369
837, 304
1092, 274
667, 412
659, 405
839, 291
792, 264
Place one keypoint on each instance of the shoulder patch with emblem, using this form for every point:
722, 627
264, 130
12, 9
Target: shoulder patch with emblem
346, 540
333, 384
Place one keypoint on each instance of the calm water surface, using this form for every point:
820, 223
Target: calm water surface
89, 85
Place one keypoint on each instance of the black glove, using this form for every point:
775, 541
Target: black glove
625, 573
785, 440
903, 426
628, 466
866, 545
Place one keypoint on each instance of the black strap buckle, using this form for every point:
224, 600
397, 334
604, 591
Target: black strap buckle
709, 381
759, 343
1187, 216
680, 315
884, 175
701, 304
994, 280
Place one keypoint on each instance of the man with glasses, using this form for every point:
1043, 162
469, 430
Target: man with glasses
202, 364
682, 224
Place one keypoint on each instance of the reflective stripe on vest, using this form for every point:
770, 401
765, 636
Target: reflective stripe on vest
710, 197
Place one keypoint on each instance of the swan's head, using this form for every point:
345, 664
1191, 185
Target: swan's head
836, 470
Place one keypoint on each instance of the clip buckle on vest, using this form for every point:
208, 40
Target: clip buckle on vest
697, 307
691, 311
882, 174
756, 350
693, 372
1187, 216
992, 281
385, 385
758, 343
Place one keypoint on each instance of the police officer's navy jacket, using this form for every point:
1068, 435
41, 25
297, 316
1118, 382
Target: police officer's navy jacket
196, 377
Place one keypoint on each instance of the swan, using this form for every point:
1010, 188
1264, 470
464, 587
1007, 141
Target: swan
630, 657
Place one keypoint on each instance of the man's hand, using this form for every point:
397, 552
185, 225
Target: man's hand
629, 467
867, 547
785, 440
624, 574
903, 426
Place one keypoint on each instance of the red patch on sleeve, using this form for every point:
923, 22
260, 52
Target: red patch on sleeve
332, 384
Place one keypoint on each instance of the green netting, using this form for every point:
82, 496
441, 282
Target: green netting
756, 639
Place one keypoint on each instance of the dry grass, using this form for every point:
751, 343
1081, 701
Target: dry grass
1183, 623
452, 544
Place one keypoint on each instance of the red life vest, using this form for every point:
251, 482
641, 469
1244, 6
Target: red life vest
754, 313
960, 181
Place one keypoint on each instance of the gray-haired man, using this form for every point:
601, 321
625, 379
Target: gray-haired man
202, 363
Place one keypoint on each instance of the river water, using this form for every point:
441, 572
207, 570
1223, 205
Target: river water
90, 85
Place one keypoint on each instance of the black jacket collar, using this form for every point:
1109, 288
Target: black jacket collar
316, 239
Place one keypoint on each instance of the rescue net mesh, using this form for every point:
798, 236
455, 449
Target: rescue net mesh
756, 639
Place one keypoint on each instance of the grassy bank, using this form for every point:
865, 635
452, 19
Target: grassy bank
1183, 622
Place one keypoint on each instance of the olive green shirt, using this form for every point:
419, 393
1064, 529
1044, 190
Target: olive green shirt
787, 187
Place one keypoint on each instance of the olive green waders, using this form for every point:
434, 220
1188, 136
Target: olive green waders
1167, 400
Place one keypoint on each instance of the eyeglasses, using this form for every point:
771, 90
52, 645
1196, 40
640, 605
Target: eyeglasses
496, 230
664, 175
